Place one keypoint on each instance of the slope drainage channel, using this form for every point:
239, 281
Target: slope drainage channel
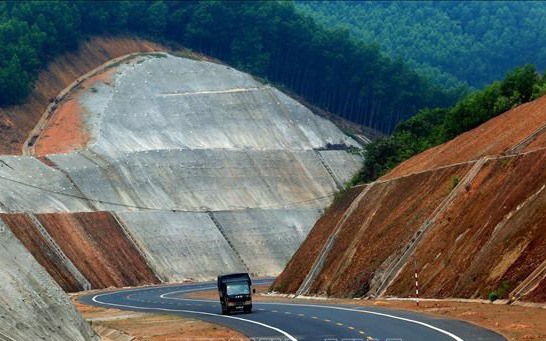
319, 262
223, 233
67, 262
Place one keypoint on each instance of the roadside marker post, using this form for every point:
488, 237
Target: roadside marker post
416, 281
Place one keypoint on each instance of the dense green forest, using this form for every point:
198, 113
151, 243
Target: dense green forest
270, 39
431, 127
453, 42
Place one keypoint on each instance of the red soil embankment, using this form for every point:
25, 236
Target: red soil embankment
98, 247
302, 261
384, 221
494, 137
17, 121
494, 232
23, 228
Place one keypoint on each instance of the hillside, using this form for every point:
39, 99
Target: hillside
150, 168
468, 214
165, 146
453, 42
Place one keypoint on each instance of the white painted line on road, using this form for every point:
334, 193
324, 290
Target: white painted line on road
290, 337
439, 330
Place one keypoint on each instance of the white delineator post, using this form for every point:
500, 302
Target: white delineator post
416, 282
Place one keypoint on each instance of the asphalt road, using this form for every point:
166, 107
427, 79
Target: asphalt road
287, 321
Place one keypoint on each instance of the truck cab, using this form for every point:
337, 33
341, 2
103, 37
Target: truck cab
235, 293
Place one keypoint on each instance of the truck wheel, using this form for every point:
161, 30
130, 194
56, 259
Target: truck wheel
248, 310
225, 311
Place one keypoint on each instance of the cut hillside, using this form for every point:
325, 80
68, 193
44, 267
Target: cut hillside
32, 306
486, 236
494, 137
157, 168
16, 122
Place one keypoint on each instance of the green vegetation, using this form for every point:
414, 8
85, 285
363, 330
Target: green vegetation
431, 127
501, 292
454, 183
453, 42
269, 39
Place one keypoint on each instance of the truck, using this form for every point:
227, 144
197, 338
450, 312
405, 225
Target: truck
235, 293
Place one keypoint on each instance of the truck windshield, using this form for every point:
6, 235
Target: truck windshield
238, 288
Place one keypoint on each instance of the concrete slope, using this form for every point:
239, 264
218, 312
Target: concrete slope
29, 185
203, 179
32, 306
182, 245
159, 168
188, 104
264, 237
17, 121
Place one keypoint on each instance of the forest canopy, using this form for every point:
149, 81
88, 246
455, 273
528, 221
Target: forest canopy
269, 39
452, 42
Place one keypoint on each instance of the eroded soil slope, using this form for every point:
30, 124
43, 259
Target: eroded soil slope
302, 261
494, 137
23, 227
97, 245
493, 233
17, 121
488, 236
383, 222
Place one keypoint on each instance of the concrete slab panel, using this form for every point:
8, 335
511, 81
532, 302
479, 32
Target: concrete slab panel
266, 239
182, 246
32, 305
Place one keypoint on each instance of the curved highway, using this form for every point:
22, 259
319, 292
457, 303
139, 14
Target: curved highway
295, 321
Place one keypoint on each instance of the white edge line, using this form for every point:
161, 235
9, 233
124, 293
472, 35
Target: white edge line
453, 336
290, 337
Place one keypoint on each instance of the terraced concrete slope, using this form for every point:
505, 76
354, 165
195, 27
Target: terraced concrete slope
32, 306
159, 168
470, 228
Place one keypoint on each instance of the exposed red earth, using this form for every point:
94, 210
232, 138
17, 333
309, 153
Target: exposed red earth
493, 232
97, 245
494, 137
489, 238
301, 262
24, 229
17, 121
